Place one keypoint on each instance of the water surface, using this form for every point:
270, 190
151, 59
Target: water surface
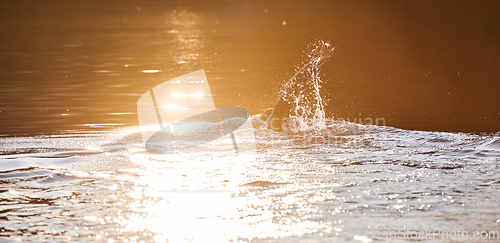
317, 186
73, 165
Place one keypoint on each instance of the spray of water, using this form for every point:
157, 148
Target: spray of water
303, 91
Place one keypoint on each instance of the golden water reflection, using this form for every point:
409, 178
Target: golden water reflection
187, 37
205, 198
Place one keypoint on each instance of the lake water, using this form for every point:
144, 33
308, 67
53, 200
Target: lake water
334, 184
73, 165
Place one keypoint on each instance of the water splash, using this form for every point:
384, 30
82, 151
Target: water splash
303, 91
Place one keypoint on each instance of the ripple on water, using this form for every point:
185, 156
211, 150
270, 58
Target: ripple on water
103, 186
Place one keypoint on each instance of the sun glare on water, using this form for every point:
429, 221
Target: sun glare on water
195, 95
189, 203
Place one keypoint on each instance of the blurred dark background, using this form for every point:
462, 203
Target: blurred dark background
425, 65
